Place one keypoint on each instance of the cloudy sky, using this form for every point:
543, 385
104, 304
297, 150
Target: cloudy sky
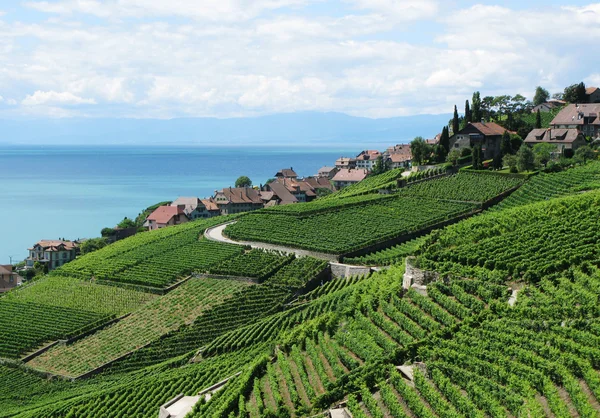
225, 58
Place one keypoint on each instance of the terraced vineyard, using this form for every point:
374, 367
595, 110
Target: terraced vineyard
255, 263
509, 328
154, 258
67, 292
547, 186
534, 241
389, 256
370, 184
472, 187
147, 324
342, 231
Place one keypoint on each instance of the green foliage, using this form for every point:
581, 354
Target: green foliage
541, 96
543, 153
126, 223
584, 154
468, 187
525, 159
575, 93
538, 119
453, 157
92, 244
255, 263
455, 123
243, 181
299, 272
420, 150
380, 166
339, 232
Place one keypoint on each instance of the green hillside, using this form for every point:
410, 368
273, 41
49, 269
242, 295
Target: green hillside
508, 326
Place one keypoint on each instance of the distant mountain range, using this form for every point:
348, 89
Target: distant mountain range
293, 129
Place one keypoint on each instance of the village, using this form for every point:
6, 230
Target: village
574, 125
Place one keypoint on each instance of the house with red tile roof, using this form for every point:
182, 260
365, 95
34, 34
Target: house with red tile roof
52, 253
399, 156
346, 177
164, 216
8, 278
564, 139
327, 172
366, 159
488, 135
193, 207
286, 173
237, 199
593, 94
584, 117
345, 162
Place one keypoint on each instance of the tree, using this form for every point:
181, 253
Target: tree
538, 119
543, 153
380, 166
505, 145
510, 161
439, 153
497, 161
525, 159
575, 93
584, 154
420, 150
445, 139
243, 181
476, 107
126, 223
323, 191
468, 115
541, 96
476, 158
92, 244
515, 142
453, 157
455, 122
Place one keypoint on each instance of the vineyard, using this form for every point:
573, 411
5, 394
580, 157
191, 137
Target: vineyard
471, 187
349, 228
508, 328
154, 258
256, 264
179, 307
547, 186
529, 242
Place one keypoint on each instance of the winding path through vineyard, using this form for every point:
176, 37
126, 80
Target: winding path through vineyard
216, 234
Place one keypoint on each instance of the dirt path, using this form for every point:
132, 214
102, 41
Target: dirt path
216, 234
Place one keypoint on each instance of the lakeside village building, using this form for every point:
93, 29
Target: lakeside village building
52, 253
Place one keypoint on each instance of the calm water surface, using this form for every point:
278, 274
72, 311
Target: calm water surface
73, 192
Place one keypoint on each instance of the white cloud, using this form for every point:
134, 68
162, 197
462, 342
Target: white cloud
54, 98
242, 57
216, 10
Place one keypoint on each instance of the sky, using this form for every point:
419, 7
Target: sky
239, 58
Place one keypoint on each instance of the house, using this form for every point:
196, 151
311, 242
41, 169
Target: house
312, 184
593, 94
211, 207
286, 173
366, 159
193, 207
327, 172
583, 117
399, 156
346, 177
548, 106
8, 278
282, 192
344, 162
164, 216
564, 139
434, 141
239, 199
488, 135
52, 253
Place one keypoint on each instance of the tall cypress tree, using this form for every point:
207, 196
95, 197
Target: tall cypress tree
476, 107
455, 122
468, 115
538, 119
445, 139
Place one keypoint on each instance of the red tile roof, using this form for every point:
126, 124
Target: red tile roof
350, 175
6, 269
210, 204
488, 128
242, 195
590, 90
286, 172
163, 214
575, 114
54, 244
368, 155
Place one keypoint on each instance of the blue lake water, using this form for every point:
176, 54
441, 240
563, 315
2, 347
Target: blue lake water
74, 192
